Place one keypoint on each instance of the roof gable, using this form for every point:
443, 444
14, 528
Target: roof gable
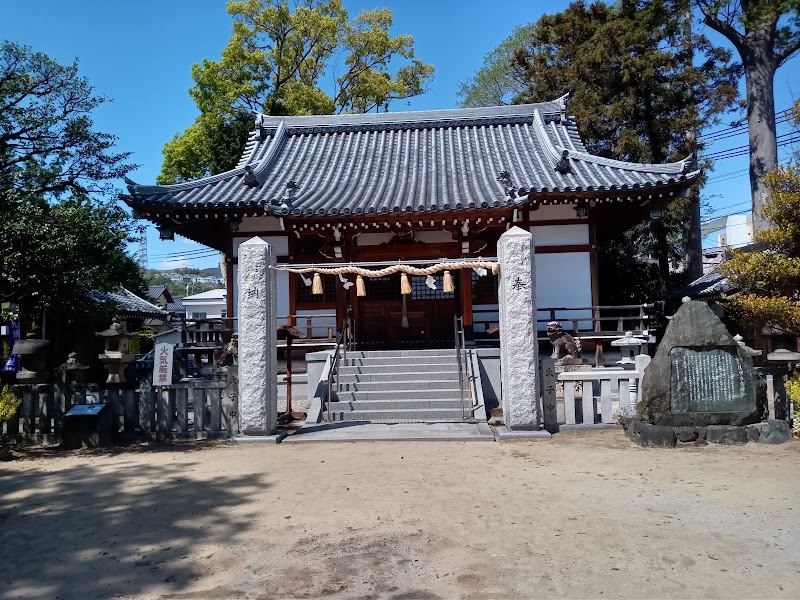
428, 161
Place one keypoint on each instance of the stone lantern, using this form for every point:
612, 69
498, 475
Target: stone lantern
627, 346
116, 356
32, 354
72, 371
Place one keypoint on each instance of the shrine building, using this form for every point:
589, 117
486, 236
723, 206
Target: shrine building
416, 188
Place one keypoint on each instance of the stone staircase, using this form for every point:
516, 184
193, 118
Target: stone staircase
399, 386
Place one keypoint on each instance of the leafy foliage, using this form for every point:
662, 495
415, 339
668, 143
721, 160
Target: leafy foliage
58, 241
276, 62
626, 66
635, 98
47, 144
500, 80
9, 403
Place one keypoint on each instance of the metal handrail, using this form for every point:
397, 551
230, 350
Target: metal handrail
343, 340
461, 357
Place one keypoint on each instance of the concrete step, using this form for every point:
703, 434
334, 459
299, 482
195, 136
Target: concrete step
400, 386
404, 360
392, 394
372, 369
387, 378
440, 403
399, 353
424, 414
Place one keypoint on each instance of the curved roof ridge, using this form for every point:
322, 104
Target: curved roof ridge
555, 152
260, 168
426, 117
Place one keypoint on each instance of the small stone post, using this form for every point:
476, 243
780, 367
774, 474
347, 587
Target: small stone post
518, 344
258, 359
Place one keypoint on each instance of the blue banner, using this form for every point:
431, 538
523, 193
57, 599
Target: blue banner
12, 362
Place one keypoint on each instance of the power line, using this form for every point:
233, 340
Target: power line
183, 253
207, 254
745, 149
784, 116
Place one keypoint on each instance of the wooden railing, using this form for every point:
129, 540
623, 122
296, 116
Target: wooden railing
593, 324
581, 321
195, 408
314, 327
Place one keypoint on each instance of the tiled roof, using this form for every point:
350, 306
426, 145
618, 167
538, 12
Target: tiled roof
154, 292
411, 162
128, 303
176, 306
711, 285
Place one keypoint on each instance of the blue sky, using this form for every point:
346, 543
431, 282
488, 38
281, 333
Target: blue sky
140, 55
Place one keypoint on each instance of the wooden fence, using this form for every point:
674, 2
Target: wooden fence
198, 408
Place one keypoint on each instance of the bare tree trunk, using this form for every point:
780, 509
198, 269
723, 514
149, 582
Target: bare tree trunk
759, 79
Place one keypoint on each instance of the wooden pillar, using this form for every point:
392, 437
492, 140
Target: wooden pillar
341, 303
465, 289
292, 299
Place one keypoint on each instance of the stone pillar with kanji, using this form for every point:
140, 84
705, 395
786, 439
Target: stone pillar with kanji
258, 360
518, 332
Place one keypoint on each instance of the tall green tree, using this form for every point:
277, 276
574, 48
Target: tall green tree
642, 87
62, 234
500, 80
765, 33
282, 60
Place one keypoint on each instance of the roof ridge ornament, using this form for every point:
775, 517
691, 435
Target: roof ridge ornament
563, 166
563, 101
504, 177
250, 179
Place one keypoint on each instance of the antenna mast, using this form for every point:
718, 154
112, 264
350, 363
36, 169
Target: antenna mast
141, 254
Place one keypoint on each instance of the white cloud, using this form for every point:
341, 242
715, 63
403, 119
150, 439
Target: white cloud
174, 263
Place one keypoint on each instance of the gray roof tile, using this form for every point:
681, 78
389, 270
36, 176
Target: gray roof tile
406, 162
128, 303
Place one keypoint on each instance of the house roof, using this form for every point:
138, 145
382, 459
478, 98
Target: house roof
175, 306
218, 294
154, 292
128, 303
411, 162
709, 286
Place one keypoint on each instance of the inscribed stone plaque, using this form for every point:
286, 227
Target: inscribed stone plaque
708, 379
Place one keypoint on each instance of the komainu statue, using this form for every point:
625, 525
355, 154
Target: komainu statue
560, 339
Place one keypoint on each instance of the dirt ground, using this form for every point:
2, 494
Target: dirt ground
582, 515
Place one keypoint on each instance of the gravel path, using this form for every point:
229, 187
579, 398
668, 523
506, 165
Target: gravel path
582, 515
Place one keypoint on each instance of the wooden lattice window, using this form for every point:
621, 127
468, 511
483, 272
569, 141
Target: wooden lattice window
420, 291
304, 295
383, 288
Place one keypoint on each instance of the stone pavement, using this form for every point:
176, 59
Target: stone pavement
360, 431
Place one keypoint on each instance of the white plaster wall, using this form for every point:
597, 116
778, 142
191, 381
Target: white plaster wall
560, 235
434, 237
260, 224
373, 239
553, 211
564, 279
213, 309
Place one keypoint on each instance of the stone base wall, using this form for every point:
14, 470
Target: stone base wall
648, 435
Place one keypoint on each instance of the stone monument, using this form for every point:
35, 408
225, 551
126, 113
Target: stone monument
257, 347
700, 385
518, 343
